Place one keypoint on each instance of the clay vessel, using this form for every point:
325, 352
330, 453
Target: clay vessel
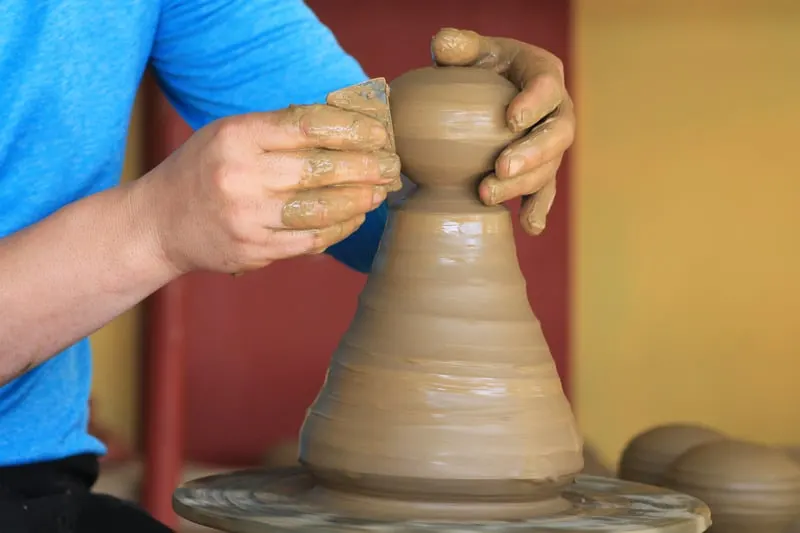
443, 388
648, 455
749, 488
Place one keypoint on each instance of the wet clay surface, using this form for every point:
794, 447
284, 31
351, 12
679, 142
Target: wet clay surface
443, 388
750, 488
648, 456
288, 500
450, 126
286, 453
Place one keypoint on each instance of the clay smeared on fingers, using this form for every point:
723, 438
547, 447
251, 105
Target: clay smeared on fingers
533, 215
311, 169
320, 208
321, 168
495, 191
544, 144
536, 72
540, 100
338, 129
327, 237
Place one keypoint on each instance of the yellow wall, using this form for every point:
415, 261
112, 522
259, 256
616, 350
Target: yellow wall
687, 202
118, 345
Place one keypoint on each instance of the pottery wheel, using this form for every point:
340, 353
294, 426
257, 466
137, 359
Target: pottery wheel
284, 501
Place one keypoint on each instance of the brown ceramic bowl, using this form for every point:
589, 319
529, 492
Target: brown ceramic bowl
750, 488
648, 455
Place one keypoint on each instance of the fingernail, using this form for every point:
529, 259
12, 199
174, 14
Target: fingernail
515, 164
389, 165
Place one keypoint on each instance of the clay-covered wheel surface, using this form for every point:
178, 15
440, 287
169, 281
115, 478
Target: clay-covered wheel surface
284, 501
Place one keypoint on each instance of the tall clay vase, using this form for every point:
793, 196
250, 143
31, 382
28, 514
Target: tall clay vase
444, 387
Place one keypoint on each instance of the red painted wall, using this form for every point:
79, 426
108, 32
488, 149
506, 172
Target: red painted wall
258, 346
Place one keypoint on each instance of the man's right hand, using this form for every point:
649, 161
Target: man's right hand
248, 190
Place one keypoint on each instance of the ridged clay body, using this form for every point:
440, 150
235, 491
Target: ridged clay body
443, 388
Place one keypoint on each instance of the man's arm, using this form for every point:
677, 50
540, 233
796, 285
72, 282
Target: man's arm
216, 58
108, 260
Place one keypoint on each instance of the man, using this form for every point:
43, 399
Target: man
77, 248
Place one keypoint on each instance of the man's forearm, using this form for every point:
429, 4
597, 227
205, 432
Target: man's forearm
68, 275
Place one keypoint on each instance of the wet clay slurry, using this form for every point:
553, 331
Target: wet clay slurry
750, 488
444, 389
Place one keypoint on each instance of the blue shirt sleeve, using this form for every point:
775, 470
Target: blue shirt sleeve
216, 58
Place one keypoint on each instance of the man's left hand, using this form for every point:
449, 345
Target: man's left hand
527, 167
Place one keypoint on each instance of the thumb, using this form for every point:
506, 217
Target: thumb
453, 47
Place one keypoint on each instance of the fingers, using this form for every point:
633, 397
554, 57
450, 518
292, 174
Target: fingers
303, 127
536, 72
535, 208
292, 243
325, 208
285, 244
327, 237
494, 190
537, 189
546, 142
310, 169
316, 189
541, 96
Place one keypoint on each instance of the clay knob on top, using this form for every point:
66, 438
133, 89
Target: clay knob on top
450, 123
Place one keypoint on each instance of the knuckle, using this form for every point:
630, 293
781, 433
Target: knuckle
225, 180
558, 65
295, 113
318, 166
299, 116
568, 132
301, 243
549, 84
562, 135
227, 133
305, 212
321, 213
239, 227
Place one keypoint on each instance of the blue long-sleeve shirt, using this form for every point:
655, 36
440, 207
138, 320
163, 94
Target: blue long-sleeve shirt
69, 72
